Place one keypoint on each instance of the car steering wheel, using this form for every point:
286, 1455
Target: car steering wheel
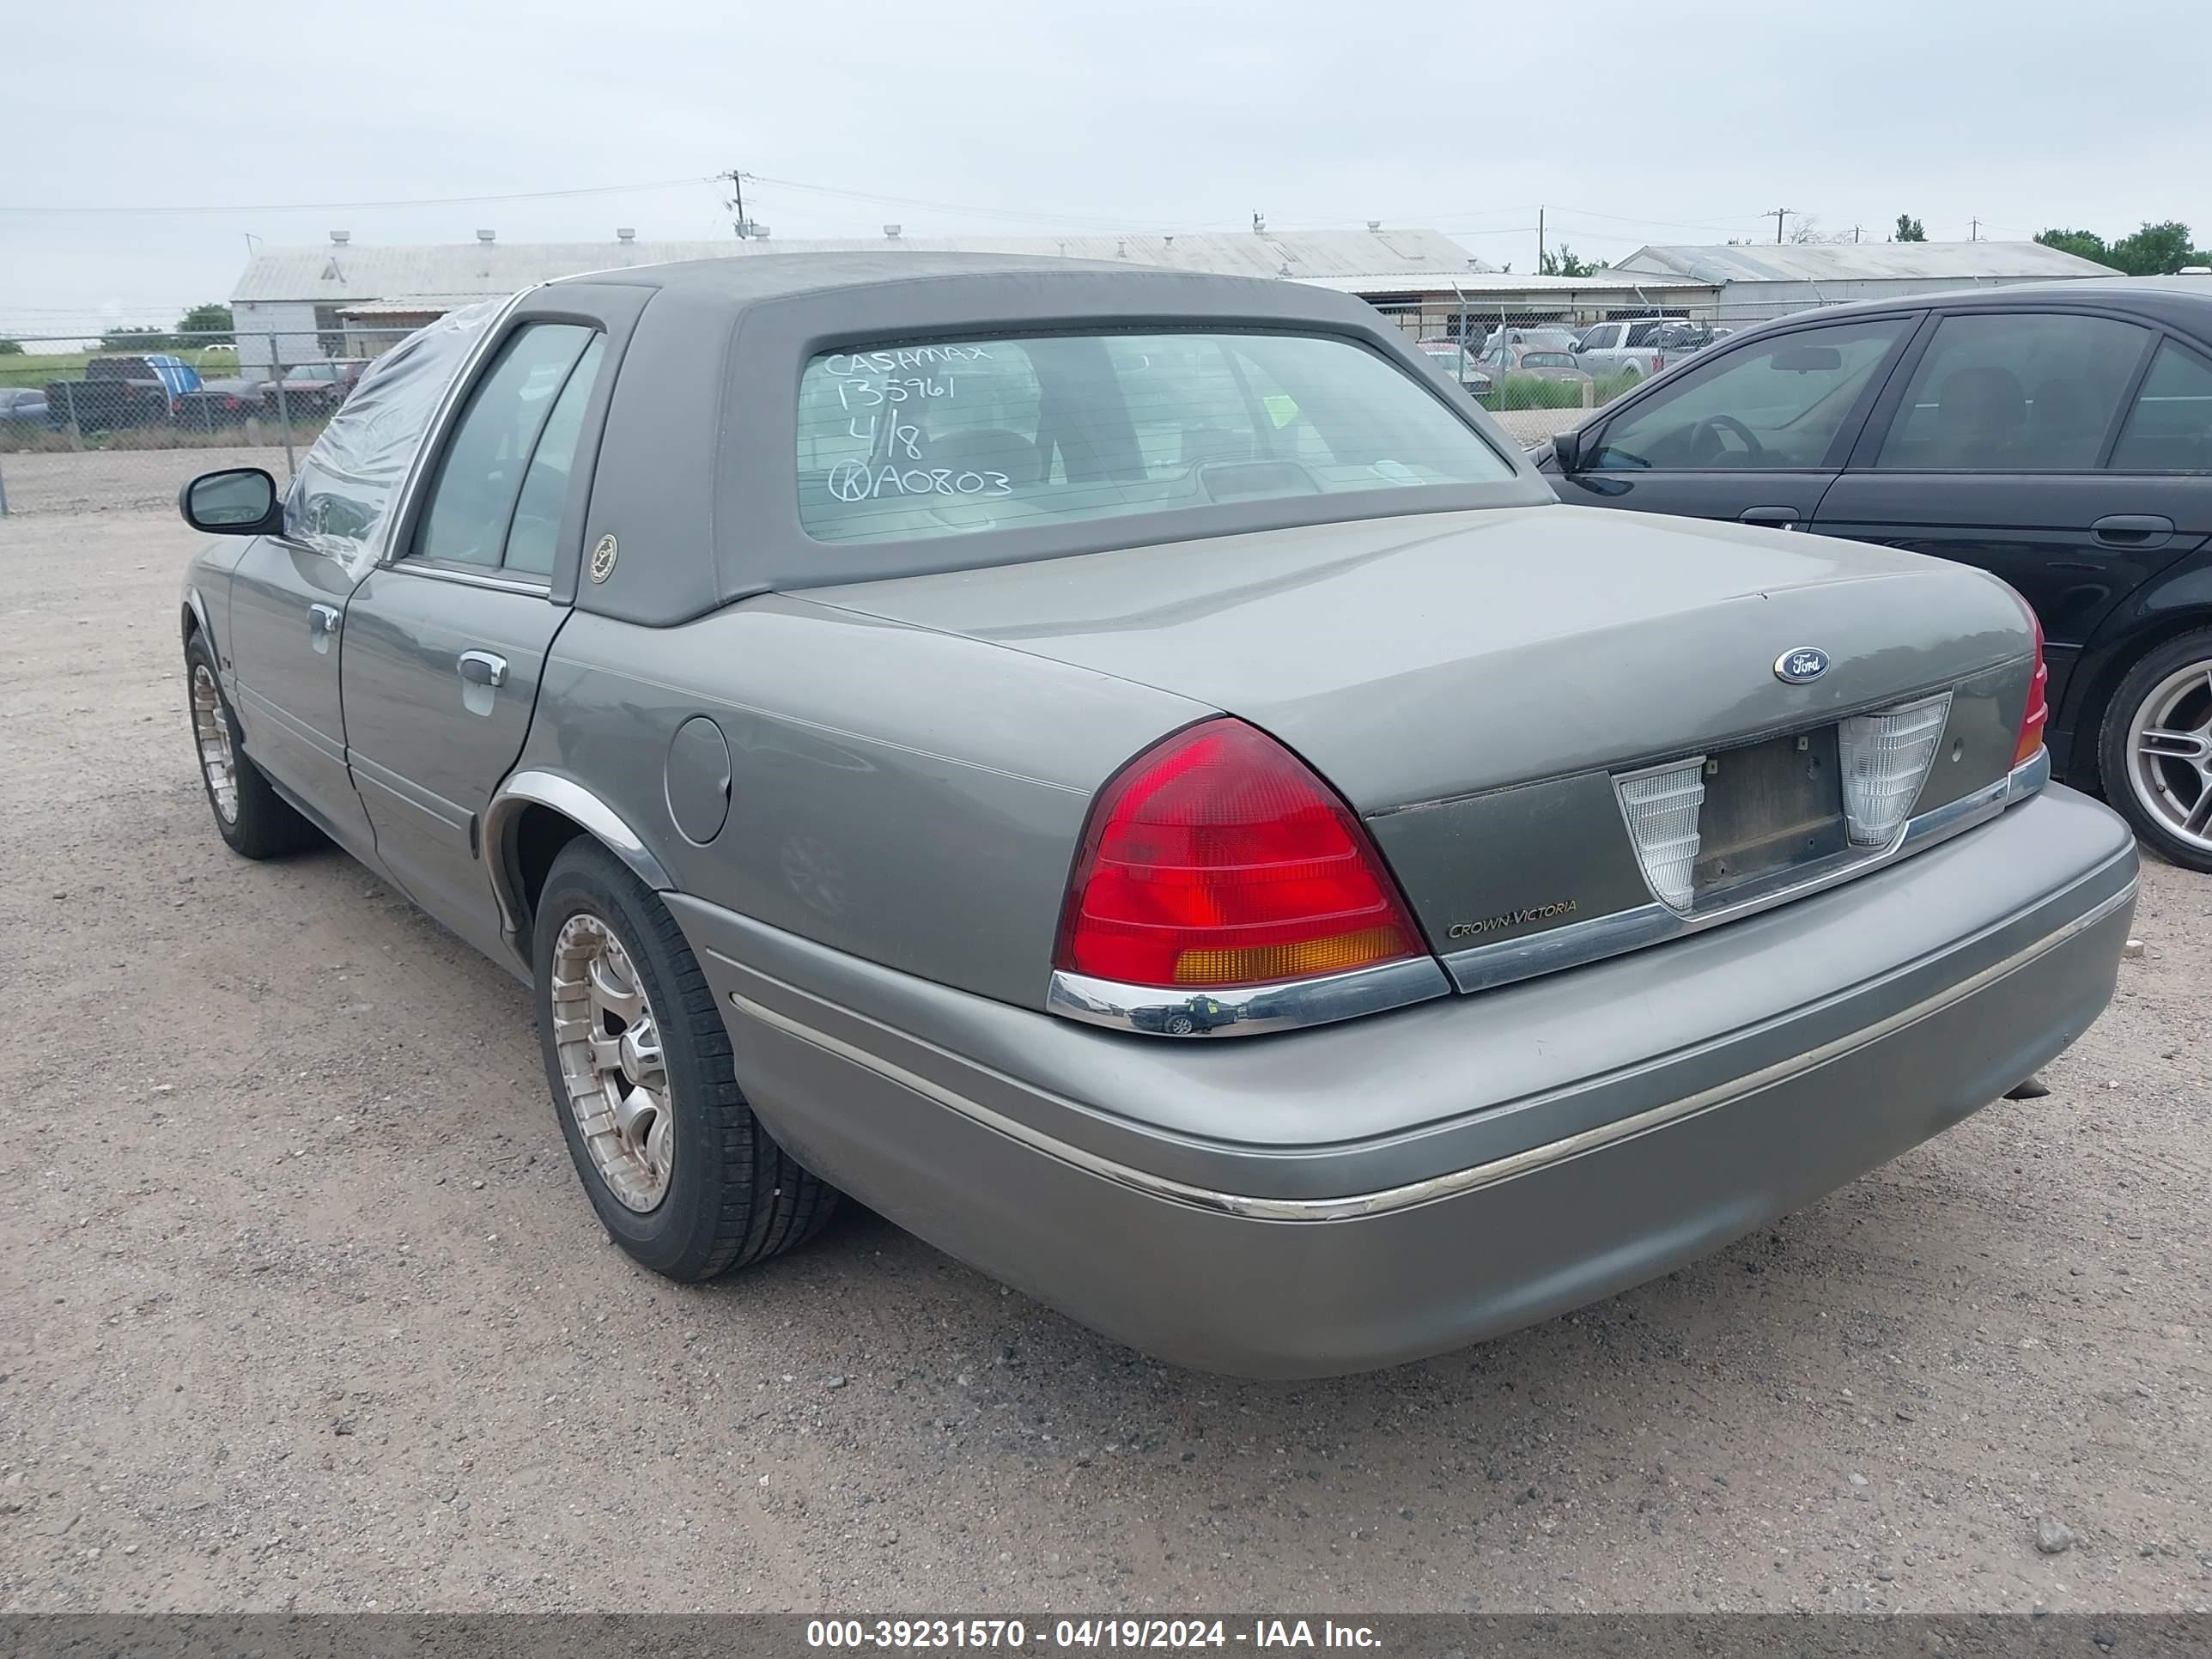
1714, 425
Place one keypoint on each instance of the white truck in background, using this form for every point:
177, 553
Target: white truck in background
1642, 346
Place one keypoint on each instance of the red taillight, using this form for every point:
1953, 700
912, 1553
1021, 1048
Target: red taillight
2037, 714
1218, 859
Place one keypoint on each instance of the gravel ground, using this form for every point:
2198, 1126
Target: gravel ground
301, 1306
123, 480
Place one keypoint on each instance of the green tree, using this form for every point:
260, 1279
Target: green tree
209, 325
1910, 229
137, 339
1566, 263
2087, 244
2158, 250
11, 348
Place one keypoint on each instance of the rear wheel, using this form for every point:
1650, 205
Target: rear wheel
2155, 749
683, 1175
254, 821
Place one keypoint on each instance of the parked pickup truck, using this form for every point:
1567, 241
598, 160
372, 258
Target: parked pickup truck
1637, 349
119, 392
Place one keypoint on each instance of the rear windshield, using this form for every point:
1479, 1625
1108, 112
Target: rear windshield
955, 437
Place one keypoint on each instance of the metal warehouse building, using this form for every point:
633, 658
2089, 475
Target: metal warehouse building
1754, 282
298, 305
1470, 304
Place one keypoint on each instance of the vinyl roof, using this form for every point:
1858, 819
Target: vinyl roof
453, 272
1849, 262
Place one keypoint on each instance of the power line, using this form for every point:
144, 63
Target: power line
350, 207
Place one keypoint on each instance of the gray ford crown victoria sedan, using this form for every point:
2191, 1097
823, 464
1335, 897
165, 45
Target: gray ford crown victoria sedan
1132, 775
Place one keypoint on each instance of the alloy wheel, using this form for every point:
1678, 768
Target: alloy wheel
2170, 754
611, 1064
211, 732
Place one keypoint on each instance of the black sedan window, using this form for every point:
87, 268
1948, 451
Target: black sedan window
957, 437
2015, 393
1777, 403
2170, 428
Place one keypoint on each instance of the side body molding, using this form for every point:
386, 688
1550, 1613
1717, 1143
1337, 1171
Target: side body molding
572, 800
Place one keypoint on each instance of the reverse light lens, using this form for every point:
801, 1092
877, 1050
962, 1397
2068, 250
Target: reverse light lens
1885, 758
1218, 859
1661, 808
2036, 715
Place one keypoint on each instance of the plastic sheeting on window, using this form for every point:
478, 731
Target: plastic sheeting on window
342, 502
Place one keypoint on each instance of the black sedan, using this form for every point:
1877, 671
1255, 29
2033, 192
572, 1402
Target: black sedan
2058, 434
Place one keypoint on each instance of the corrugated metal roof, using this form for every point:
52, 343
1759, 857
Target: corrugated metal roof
1472, 283
355, 271
1852, 262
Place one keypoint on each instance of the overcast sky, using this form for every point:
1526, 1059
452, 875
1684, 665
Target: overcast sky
1016, 117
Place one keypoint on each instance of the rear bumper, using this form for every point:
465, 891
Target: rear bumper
1181, 1198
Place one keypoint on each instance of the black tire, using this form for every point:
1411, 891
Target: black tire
733, 1196
266, 825
2115, 763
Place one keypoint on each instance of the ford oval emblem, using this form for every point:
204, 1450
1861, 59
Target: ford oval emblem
1801, 665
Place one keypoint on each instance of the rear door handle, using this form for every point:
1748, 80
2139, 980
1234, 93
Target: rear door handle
322, 619
1774, 518
482, 668
2132, 529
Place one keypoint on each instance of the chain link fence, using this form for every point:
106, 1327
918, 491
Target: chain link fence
87, 425
1542, 369
126, 422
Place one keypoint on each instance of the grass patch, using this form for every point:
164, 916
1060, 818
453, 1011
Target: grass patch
35, 368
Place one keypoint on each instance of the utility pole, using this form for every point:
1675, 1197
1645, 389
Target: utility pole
1855, 233
1540, 239
1780, 214
743, 226
1974, 232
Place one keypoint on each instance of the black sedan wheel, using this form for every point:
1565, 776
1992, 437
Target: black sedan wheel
2156, 750
683, 1175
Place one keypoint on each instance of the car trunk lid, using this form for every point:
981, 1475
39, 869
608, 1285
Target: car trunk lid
1420, 659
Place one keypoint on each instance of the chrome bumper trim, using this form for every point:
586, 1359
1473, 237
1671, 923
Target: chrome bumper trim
1486, 966
1458, 1182
1249, 1009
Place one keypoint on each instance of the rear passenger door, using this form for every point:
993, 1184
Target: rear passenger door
2000, 445
1756, 433
445, 640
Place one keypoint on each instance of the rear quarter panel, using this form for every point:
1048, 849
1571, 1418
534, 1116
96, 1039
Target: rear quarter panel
911, 797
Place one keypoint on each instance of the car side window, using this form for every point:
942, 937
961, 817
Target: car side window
1776, 404
2013, 392
2170, 428
531, 538
480, 476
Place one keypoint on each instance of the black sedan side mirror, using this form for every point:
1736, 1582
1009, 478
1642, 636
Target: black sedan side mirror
240, 501
1567, 451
